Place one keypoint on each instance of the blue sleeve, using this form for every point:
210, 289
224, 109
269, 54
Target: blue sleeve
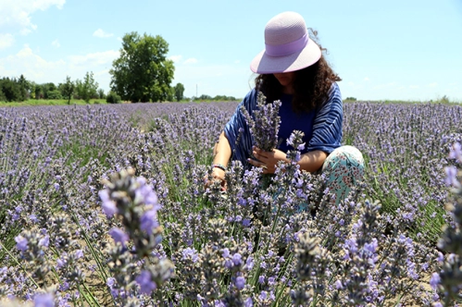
237, 131
327, 126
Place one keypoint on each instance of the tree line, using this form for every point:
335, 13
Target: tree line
142, 73
21, 89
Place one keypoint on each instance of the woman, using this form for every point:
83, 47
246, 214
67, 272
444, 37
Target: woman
293, 70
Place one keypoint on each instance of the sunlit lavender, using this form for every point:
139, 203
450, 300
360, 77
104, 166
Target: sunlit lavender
105, 205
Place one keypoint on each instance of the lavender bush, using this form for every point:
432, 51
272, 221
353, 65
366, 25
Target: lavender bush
78, 227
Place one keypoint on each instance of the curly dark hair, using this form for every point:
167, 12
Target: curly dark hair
311, 84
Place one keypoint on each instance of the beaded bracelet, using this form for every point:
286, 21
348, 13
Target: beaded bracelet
220, 166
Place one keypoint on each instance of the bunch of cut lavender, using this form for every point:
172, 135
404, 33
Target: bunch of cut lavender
449, 279
265, 122
264, 125
134, 202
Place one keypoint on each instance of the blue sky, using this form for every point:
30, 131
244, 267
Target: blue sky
395, 49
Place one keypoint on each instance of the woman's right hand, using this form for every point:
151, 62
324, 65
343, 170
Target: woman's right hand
217, 175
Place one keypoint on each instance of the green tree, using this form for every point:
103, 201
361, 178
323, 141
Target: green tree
54, 94
38, 91
24, 88
67, 89
2, 96
112, 97
205, 97
142, 72
11, 89
101, 94
88, 88
179, 91
48, 88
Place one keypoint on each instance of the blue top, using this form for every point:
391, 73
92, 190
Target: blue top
322, 127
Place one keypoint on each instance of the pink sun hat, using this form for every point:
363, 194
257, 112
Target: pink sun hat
288, 46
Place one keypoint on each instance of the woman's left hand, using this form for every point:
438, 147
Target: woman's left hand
267, 160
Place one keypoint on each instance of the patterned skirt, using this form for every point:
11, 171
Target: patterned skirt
344, 169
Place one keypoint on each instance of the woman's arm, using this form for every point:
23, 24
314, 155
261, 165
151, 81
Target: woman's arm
312, 161
221, 156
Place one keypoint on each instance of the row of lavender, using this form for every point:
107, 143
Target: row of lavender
75, 234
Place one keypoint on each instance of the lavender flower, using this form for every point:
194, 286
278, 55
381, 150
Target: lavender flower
148, 221
264, 125
145, 282
119, 236
44, 300
109, 206
240, 282
21, 243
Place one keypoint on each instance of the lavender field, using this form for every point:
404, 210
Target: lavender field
105, 205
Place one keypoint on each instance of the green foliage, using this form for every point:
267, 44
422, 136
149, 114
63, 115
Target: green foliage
205, 97
67, 89
2, 96
179, 91
351, 99
224, 98
55, 94
88, 88
24, 87
112, 97
142, 73
11, 90
46, 89
101, 94
444, 99
38, 92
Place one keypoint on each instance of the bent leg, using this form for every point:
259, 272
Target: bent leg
344, 169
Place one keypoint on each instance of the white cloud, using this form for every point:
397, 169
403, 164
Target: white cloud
56, 43
32, 66
367, 79
16, 15
178, 59
433, 84
191, 61
100, 33
40, 70
175, 58
97, 58
6, 40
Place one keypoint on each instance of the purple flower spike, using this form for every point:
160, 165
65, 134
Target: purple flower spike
45, 241
21, 243
248, 302
237, 259
435, 280
145, 194
109, 206
145, 282
44, 300
240, 283
148, 221
456, 152
451, 173
119, 236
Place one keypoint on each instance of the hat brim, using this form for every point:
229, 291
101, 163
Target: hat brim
265, 64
